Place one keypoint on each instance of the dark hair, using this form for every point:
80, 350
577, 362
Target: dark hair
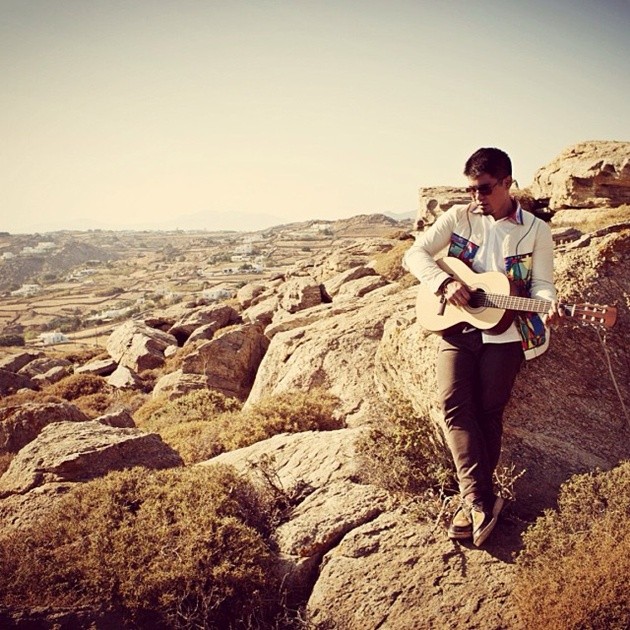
491, 161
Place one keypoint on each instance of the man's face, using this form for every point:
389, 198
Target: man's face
492, 195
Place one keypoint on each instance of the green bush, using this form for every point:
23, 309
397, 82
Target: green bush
199, 433
405, 453
575, 566
176, 548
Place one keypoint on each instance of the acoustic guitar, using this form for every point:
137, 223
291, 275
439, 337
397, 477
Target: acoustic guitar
492, 304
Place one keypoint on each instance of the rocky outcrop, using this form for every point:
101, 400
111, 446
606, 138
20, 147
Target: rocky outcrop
433, 201
230, 361
393, 572
21, 424
213, 318
124, 378
16, 362
316, 472
335, 352
77, 451
300, 293
138, 346
42, 365
586, 175
176, 384
100, 367
11, 382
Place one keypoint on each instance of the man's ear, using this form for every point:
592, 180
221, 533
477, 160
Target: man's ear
507, 182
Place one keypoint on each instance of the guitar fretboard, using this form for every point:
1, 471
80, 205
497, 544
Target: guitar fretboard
509, 302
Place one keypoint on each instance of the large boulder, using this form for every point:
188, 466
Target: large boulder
43, 365
212, 318
394, 572
11, 382
98, 367
230, 361
316, 471
70, 452
300, 293
333, 285
586, 175
15, 362
335, 351
20, 424
138, 346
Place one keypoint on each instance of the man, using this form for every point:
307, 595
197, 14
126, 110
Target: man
476, 369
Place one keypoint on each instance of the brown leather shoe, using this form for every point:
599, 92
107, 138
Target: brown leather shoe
484, 519
461, 527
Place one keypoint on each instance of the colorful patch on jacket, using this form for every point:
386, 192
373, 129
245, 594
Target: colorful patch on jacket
530, 325
462, 248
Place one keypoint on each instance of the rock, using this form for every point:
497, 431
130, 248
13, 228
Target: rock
78, 451
203, 333
54, 375
434, 200
317, 525
121, 419
16, 362
334, 284
262, 312
336, 353
44, 364
394, 573
360, 287
316, 470
215, 317
10, 383
101, 367
139, 347
21, 424
176, 384
300, 293
248, 295
586, 175
229, 361
311, 459
124, 378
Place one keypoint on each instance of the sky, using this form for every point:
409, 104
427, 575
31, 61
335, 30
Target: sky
161, 113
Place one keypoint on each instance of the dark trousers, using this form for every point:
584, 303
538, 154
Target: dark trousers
475, 381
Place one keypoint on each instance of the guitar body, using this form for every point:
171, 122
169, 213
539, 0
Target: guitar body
436, 316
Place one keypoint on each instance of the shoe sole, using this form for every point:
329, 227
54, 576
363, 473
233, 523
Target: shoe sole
481, 537
460, 535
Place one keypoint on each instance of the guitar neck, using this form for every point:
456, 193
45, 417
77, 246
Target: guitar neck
512, 302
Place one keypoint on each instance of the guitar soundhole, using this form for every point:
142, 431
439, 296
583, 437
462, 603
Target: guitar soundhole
477, 299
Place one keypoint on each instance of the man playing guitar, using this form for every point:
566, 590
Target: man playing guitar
476, 369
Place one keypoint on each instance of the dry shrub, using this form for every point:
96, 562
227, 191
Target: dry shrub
575, 566
28, 396
94, 405
290, 412
389, 264
78, 385
203, 404
404, 453
176, 548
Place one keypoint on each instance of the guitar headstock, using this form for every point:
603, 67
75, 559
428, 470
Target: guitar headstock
592, 314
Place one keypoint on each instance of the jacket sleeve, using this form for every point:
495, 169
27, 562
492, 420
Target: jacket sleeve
420, 257
542, 286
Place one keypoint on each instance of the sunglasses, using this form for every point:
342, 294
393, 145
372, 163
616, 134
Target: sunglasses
482, 189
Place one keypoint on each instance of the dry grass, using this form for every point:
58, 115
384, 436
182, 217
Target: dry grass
204, 424
178, 548
575, 566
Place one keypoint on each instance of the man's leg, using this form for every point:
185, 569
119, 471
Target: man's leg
458, 383
498, 366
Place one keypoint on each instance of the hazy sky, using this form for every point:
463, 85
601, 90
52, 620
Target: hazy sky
126, 112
